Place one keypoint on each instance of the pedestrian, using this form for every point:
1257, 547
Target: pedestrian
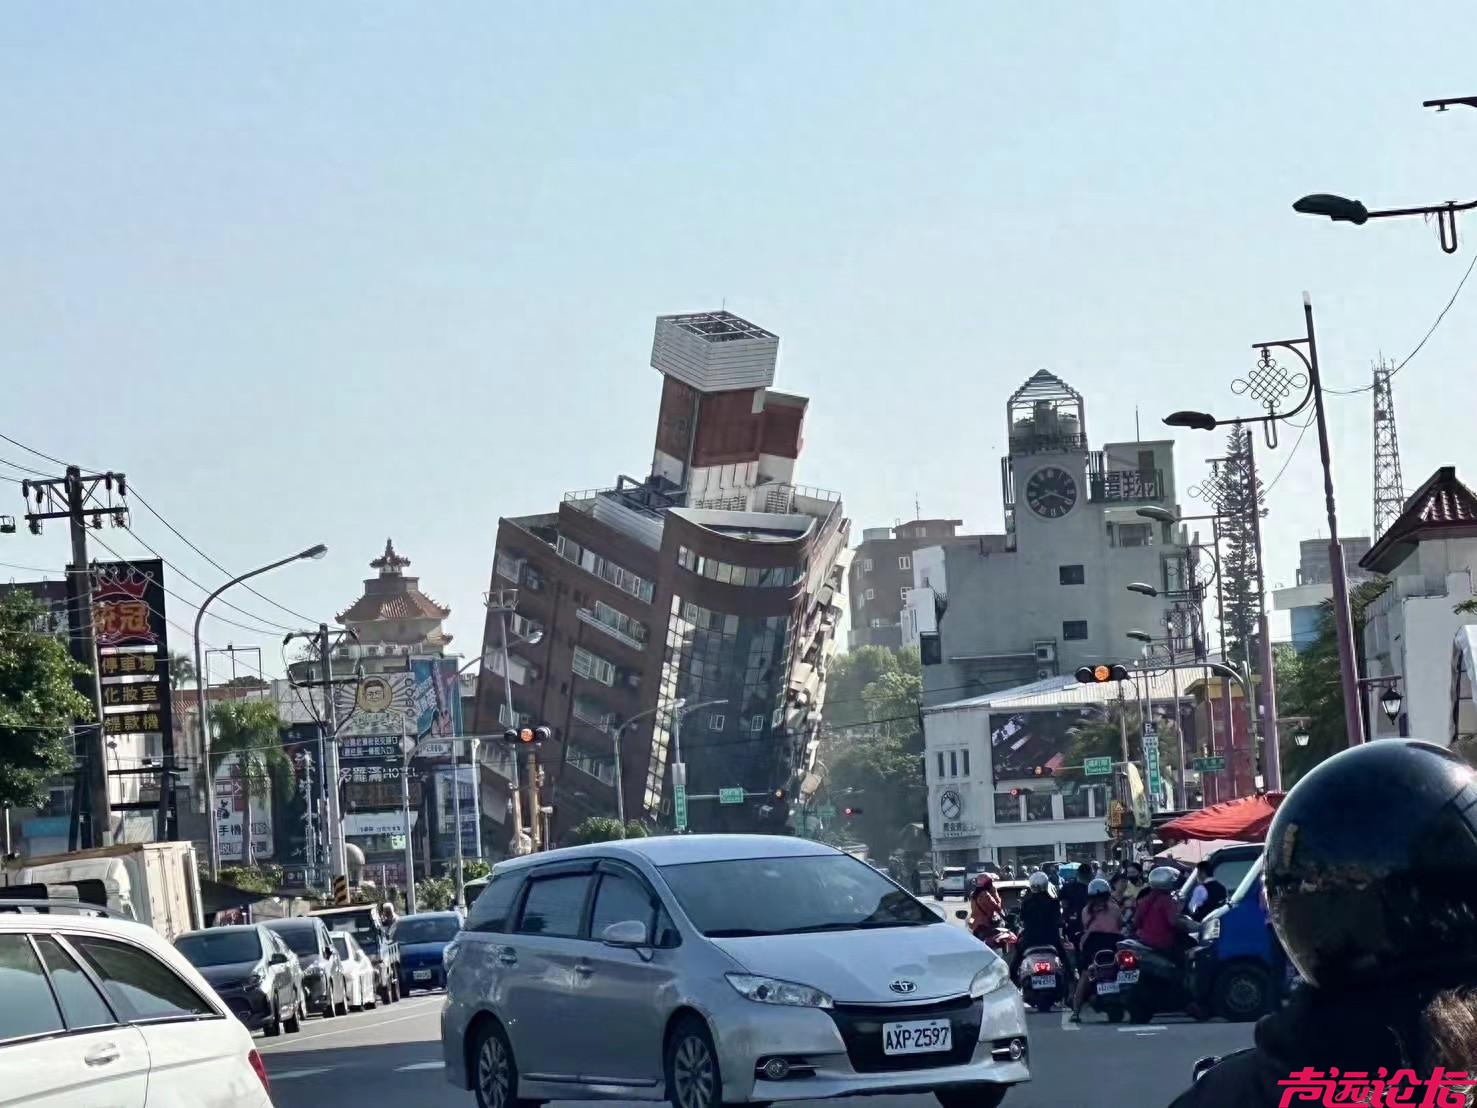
1208, 894
1371, 880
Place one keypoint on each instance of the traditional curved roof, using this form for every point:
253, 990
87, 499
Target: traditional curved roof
392, 595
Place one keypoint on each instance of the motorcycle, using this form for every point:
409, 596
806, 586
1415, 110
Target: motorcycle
1103, 973
1149, 981
1042, 978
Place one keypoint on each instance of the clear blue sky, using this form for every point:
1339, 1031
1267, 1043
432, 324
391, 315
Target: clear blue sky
337, 272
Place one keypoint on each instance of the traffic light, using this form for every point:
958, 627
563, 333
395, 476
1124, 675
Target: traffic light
1020, 792
527, 736
1101, 674
849, 812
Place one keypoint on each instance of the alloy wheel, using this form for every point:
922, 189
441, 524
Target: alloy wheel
494, 1074
693, 1073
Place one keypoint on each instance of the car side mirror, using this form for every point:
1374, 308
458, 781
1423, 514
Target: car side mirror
1203, 1066
629, 933
961, 914
278, 959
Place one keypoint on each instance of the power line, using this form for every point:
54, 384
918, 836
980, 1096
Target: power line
33, 450
1290, 456
203, 588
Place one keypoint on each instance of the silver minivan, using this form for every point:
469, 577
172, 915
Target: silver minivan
712, 969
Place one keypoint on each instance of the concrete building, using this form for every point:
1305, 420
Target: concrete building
1304, 601
990, 764
882, 573
714, 578
1428, 555
1053, 597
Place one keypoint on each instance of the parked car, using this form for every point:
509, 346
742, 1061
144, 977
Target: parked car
950, 883
715, 969
422, 939
324, 982
473, 889
248, 971
365, 923
92, 1001
359, 972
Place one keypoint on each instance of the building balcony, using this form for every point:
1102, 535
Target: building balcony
586, 615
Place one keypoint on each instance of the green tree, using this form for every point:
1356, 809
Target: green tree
251, 731
850, 676
475, 868
181, 670
603, 829
38, 703
435, 894
1309, 685
253, 879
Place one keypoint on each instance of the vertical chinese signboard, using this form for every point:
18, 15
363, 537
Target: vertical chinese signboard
133, 667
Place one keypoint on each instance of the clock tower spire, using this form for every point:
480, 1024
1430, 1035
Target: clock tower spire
1046, 469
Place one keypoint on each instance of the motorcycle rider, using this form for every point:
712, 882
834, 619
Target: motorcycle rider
1102, 927
1041, 924
1074, 896
1156, 913
1371, 877
986, 912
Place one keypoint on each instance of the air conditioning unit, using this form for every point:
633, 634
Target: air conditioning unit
1045, 652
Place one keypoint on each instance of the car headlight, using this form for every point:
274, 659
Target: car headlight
1210, 930
989, 979
768, 990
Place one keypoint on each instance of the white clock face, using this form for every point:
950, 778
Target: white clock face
1051, 492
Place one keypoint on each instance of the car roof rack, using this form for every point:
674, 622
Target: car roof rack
45, 906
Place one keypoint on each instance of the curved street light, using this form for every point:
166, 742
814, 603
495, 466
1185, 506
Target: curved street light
313, 553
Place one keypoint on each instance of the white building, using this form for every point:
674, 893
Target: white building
1304, 601
1428, 554
990, 764
1055, 597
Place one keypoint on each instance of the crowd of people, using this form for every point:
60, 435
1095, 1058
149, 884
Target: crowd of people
1089, 913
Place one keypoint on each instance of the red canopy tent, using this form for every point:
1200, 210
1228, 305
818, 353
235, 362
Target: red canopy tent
1244, 819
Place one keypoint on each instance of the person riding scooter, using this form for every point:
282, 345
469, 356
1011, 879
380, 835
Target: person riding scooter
1074, 896
1102, 927
1041, 924
1156, 914
986, 911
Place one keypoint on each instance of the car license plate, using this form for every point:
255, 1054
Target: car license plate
1104, 988
1127, 977
1043, 981
918, 1037
422, 975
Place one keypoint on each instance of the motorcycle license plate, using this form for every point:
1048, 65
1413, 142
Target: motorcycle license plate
1104, 988
1127, 977
917, 1037
1043, 981
422, 975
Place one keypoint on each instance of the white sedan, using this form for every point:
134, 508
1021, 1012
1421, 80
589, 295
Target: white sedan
97, 1009
358, 971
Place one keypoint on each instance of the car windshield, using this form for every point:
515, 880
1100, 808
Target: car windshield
438, 929
791, 895
302, 940
1248, 883
341, 945
220, 948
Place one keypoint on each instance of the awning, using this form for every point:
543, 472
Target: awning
1244, 819
217, 896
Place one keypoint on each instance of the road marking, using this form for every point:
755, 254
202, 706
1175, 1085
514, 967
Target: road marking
359, 1025
290, 1074
420, 1066
1147, 1029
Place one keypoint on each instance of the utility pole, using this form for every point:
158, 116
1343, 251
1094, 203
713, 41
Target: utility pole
1271, 752
332, 779
81, 499
534, 810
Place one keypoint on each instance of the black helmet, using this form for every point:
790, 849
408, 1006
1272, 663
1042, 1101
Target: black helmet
1371, 868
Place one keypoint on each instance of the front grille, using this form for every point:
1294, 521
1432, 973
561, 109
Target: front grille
861, 1029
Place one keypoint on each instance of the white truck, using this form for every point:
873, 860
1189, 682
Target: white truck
157, 884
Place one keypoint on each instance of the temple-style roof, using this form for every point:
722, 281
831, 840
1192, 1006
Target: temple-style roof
391, 595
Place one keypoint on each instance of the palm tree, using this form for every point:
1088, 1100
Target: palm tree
249, 731
181, 670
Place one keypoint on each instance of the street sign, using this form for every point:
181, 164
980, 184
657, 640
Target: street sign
397, 842
731, 796
679, 806
1214, 764
1097, 767
1151, 764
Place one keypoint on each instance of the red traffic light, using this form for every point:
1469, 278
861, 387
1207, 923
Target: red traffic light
1101, 674
849, 812
527, 736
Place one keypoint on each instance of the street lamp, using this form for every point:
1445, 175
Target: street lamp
1143, 588
1391, 702
680, 709
1341, 209
1270, 385
1301, 738
1140, 636
313, 553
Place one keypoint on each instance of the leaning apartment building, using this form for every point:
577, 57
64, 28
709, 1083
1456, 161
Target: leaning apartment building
714, 577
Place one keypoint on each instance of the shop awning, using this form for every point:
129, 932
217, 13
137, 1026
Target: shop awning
1244, 819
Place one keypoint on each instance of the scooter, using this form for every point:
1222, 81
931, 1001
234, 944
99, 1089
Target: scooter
1149, 981
996, 935
1042, 978
1103, 973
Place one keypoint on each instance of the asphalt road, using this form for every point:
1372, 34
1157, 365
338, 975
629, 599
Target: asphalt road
392, 1055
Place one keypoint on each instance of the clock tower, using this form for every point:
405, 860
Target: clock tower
1045, 472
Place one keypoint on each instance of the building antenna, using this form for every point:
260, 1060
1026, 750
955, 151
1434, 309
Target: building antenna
917, 511
1389, 488
1137, 435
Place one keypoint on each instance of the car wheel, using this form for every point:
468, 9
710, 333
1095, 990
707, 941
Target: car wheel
972, 1096
272, 1028
329, 1011
1241, 993
693, 1078
294, 1022
343, 1000
494, 1072
1140, 1012
395, 993
371, 998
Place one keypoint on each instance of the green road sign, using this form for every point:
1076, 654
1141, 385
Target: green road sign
731, 796
679, 806
397, 842
1214, 764
1097, 767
